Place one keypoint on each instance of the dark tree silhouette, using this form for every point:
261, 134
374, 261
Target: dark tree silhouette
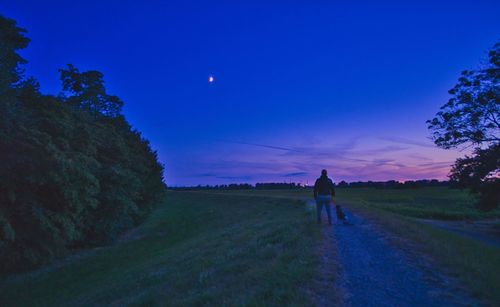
471, 118
87, 91
73, 172
12, 39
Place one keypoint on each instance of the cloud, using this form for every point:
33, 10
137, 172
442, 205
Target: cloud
406, 141
384, 162
296, 174
223, 176
350, 159
235, 177
419, 157
352, 155
205, 175
436, 164
259, 145
380, 150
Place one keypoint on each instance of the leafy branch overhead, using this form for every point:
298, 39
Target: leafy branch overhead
471, 118
472, 115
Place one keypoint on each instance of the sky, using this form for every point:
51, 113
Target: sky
298, 85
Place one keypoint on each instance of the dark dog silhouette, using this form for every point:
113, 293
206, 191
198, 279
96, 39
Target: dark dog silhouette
340, 213
341, 216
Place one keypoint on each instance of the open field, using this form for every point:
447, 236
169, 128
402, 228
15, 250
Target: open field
195, 249
252, 247
432, 203
472, 261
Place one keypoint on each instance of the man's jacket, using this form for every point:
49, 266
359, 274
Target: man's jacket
324, 186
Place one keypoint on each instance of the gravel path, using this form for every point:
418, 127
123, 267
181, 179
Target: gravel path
372, 272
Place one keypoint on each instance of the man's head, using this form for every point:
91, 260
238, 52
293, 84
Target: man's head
323, 172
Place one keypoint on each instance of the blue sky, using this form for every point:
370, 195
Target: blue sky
299, 85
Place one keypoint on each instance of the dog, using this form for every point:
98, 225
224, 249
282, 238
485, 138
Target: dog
340, 213
341, 216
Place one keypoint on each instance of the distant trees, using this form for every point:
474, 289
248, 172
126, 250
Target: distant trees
343, 184
245, 186
232, 186
73, 172
471, 118
278, 186
391, 184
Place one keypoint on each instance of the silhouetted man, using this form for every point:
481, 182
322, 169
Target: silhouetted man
324, 191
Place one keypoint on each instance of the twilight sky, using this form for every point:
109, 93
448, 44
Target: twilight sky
299, 85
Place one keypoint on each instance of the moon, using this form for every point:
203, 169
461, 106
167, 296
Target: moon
211, 79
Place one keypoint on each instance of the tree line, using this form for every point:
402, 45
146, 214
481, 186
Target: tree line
244, 186
393, 184
73, 171
390, 184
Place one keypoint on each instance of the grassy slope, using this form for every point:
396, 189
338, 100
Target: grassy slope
195, 249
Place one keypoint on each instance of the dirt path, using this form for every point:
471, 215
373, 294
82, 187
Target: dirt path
373, 272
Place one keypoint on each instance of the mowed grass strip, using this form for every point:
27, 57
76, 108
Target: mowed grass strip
195, 249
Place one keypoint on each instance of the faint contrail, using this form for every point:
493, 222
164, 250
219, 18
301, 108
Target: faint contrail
406, 141
260, 145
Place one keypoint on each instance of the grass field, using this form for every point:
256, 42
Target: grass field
432, 203
195, 249
248, 247
475, 263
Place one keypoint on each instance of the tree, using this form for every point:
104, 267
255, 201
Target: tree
88, 92
12, 39
73, 172
471, 118
343, 184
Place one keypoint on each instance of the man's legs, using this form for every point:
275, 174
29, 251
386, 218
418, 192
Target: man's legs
319, 206
328, 212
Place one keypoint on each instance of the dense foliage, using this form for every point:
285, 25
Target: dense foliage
472, 117
73, 172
